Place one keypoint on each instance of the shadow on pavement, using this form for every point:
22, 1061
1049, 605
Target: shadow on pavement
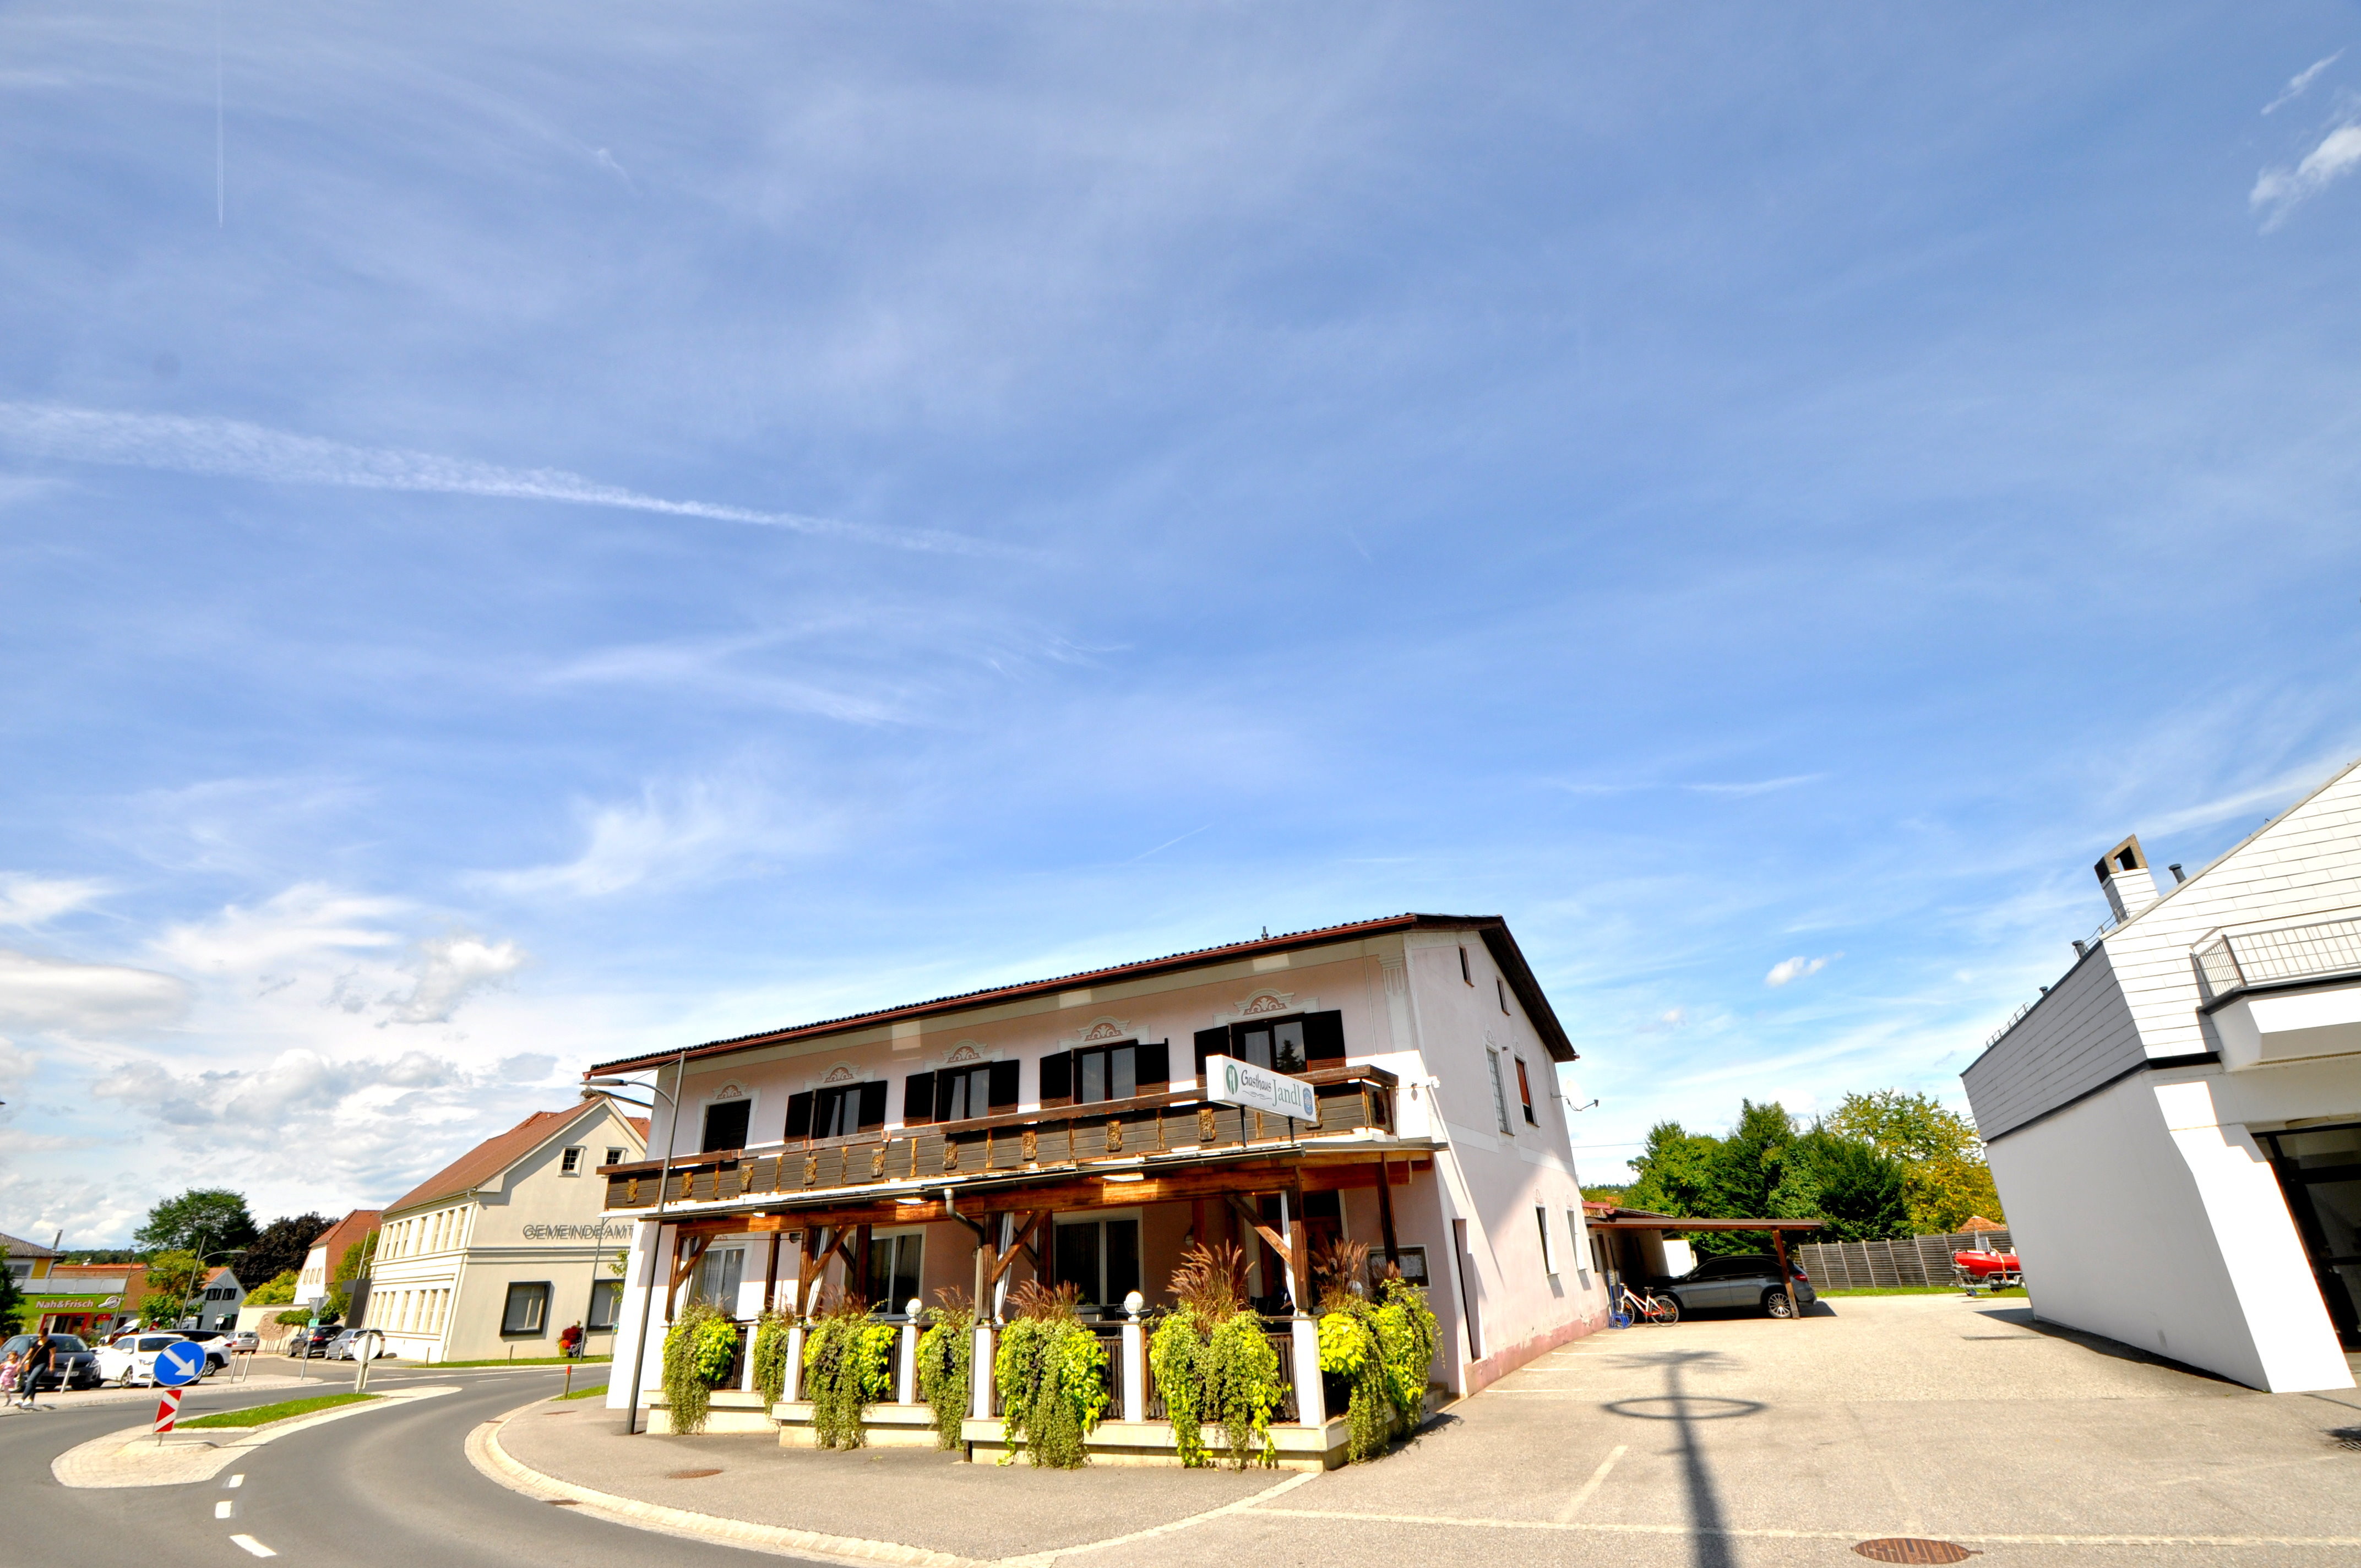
1710, 1546
2023, 1318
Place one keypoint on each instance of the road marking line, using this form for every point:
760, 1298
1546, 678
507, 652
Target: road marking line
1598, 1479
236, 1480
1988, 1537
225, 1510
249, 1544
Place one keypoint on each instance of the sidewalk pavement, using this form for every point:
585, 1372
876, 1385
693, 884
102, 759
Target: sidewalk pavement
1723, 1439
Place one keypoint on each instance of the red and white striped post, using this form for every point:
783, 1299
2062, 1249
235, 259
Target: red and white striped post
167, 1410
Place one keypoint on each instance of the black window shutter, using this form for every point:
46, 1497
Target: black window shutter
1004, 1086
1323, 1038
800, 1108
1057, 1076
1210, 1043
725, 1125
917, 1099
872, 1105
1155, 1065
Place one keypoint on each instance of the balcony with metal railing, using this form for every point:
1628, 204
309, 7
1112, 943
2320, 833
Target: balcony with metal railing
2235, 961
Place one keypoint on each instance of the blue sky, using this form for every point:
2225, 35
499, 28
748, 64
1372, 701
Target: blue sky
533, 533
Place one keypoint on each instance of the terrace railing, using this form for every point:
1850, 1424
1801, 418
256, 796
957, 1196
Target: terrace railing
1350, 1100
2241, 961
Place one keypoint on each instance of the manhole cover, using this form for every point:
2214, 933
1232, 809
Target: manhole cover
697, 1475
1909, 1549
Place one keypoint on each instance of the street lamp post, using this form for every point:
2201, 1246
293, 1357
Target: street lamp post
664, 1182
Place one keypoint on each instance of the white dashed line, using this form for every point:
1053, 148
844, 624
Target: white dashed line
1598, 1479
249, 1544
225, 1510
237, 1480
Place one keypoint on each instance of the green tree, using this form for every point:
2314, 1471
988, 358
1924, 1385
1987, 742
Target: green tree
207, 1218
1744, 1172
282, 1244
1942, 1159
1674, 1174
12, 1301
1846, 1181
172, 1277
278, 1290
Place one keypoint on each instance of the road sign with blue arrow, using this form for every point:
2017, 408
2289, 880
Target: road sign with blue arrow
180, 1362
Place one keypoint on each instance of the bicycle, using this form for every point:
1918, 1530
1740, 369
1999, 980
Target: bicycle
1630, 1309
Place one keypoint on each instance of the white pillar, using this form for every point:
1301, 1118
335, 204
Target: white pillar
1309, 1399
746, 1362
980, 1375
794, 1386
908, 1391
1135, 1362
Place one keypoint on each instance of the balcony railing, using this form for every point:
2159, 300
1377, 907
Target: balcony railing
2241, 961
1350, 1100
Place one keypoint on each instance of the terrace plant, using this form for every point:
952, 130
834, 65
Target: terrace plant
848, 1364
946, 1364
1052, 1376
1215, 1362
771, 1330
697, 1351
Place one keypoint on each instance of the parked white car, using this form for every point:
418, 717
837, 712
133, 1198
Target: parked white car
132, 1361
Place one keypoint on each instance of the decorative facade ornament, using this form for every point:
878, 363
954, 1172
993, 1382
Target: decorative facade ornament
968, 1052
728, 1091
1106, 1027
1268, 1002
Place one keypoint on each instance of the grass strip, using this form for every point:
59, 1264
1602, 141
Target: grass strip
582, 1393
285, 1410
529, 1361
1920, 1291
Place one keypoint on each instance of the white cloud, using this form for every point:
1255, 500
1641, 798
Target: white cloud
2302, 80
1758, 786
85, 1000
31, 901
2281, 190
668, 835
447, 970
16, 1063
1790, 970
309, 920
234, 449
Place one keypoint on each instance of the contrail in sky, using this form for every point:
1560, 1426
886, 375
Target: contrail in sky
234, 449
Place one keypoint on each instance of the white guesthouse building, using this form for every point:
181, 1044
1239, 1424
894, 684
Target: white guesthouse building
2175, 1127
497, 1254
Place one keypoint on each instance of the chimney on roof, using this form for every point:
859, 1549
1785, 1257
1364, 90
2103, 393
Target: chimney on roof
2123, 871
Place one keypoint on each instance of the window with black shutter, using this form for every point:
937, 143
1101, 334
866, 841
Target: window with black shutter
799, 1114
1210, 1043
725, 1124
1323, 1038
1107, 1072
963, 1093
872, 1105
1281, 1045
847, 1109
1058, 1078
1155, 1065
1004, 1091
917, 1099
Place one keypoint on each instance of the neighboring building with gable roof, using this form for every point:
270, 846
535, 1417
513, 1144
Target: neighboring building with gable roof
499, 1251
2175, 1127
318, 1275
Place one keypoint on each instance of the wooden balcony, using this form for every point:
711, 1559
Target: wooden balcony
1154, 1129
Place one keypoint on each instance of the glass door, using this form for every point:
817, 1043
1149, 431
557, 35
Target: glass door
2320, 1171
1100, 1259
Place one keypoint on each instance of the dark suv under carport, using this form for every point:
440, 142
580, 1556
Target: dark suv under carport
1750, 1280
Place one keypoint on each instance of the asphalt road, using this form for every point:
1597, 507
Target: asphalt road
391, 1488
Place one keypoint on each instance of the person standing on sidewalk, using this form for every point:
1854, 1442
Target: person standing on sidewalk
38, 1357
8, 1371
569, 1343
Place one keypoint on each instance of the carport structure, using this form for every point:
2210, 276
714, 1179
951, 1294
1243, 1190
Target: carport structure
1633, 1241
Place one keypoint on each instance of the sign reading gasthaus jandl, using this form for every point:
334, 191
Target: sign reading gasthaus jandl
1235, 1082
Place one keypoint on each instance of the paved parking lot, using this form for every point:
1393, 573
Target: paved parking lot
1719, 1441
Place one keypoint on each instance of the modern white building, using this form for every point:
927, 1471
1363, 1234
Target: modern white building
315, 1280
217, 1304
497, 1254
2175, 1125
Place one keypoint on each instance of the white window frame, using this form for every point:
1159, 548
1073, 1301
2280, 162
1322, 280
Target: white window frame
1548, 1243
1574, 1240
1500, 1092
569, 1160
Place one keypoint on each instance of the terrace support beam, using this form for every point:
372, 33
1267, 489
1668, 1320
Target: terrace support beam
1386, 1212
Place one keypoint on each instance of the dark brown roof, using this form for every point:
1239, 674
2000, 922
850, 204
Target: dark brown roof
19, 1247
496, 1154
1493, 929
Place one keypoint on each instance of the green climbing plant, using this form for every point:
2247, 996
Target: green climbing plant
1214, 1363
1052, 1377
945, 1363
697, 1351
771, 1355
1407, 1336
847, 1365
